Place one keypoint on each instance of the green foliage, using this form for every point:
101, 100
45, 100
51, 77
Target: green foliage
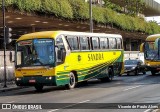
28, 5
60, 8
79, 10
112, 6
98, 14
134, 6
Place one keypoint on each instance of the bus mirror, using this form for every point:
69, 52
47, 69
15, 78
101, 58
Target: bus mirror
142, 47
11, 56
60, 55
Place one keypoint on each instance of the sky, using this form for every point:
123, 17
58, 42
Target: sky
157, 1
154, 18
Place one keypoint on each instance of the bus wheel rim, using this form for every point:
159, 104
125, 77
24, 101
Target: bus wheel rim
72, 80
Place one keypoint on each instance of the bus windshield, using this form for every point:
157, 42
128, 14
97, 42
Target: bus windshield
37, 52
151, 53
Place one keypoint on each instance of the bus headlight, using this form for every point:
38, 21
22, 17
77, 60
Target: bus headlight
50, 78
148, 64
18, 79
133, 67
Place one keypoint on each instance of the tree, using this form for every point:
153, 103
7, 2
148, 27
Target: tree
133, 7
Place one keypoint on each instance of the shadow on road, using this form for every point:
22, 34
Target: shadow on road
117, 81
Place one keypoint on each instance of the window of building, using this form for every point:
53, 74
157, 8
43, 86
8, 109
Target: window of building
73, 42
84, 44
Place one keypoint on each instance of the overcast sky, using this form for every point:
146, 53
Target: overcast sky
157, 1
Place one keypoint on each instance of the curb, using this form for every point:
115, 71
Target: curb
10, 89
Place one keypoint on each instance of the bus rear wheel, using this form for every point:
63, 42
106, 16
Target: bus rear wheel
39, 87
110, 74
72, 81
153, 72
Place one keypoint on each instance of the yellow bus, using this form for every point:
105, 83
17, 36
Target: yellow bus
151, 49
66, 58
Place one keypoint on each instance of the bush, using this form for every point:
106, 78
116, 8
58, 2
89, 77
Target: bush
79, 10
60, 8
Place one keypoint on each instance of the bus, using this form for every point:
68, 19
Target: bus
151, 49
54, 58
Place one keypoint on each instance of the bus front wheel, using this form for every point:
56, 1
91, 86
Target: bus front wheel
39, 87
72, 81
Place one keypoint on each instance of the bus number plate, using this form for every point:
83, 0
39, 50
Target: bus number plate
32, 81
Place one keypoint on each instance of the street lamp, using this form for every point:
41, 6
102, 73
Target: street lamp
90, 15
4, 37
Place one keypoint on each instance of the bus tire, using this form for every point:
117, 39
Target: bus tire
106, 78
153, 72
136, 72
144, 73
110, 74
38, 87
72, 81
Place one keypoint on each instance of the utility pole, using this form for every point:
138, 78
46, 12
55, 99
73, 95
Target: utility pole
4, 38
90, 16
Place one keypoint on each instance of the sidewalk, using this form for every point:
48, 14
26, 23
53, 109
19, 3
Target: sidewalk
10, 86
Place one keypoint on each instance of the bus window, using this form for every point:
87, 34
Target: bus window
119, 43
95, 43
103, 43
84, 44
60, 51
112, 43
73, 42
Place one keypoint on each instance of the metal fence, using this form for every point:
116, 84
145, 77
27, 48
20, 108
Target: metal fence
134, 55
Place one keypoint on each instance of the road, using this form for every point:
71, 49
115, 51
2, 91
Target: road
124, 89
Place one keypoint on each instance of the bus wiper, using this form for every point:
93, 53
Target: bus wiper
37, 61
154, 58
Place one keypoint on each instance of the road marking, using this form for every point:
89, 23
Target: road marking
132, 88
11, 102
148, 110
69, 106
155, 110
84, 101
53, 110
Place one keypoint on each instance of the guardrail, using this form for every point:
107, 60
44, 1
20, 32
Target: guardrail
134, 55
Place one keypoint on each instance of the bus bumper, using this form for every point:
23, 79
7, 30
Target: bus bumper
35, 80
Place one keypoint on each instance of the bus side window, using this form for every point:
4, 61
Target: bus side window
73, 42
84, 44
95, 43
115, 43
119, 46
112, 43
60, 50
103, 43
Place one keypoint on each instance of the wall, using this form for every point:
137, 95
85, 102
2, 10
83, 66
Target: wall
9, 67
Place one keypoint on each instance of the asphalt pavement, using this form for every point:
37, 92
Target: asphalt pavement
95, 96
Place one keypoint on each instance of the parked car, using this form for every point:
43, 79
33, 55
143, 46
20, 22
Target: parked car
134, 66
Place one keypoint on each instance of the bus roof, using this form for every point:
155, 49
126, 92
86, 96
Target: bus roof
53, 34
153, 37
